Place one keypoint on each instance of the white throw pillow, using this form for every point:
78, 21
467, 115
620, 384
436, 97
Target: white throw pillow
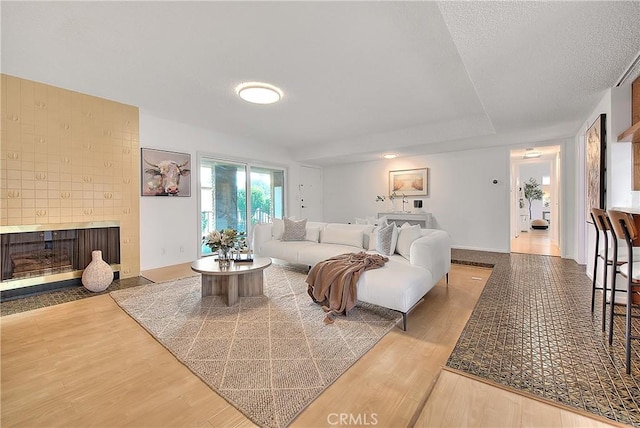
382, 221
294, 230
313, 234
361, 220
331, 235
277, 229
406, 235
373, 239
387, 238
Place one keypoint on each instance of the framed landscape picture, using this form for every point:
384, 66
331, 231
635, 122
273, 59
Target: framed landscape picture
410, 182
595, 164
165, 173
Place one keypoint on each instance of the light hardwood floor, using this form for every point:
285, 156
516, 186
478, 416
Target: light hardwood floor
479, 404
87, 363
534, 242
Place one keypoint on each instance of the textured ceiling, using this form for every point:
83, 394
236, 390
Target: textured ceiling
360, 78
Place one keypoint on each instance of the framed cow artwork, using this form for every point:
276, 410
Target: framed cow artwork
165, 173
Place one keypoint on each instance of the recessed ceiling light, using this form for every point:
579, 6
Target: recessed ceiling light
259, 93
390, 156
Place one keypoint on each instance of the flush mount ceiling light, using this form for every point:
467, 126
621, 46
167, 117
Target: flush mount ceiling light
259, 93
390, 156
532, 154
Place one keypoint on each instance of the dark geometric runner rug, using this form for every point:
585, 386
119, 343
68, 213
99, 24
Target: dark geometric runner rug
532, 329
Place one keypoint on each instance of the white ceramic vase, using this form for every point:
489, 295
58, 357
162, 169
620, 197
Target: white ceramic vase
98, 275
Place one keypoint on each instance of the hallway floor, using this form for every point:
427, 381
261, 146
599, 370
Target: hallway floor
535, 242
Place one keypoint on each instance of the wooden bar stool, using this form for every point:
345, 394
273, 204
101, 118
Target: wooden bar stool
625, 229
602, 225
619, 255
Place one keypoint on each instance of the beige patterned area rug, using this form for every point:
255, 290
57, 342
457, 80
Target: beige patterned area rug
268, 356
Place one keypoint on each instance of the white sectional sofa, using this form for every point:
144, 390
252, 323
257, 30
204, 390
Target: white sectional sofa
399, 285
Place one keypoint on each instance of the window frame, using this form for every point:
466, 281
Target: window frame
248, 165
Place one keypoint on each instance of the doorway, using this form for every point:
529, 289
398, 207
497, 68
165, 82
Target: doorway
535, 200
310, 193
238, 195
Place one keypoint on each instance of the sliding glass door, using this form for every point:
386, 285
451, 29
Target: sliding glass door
224, 202
267, 194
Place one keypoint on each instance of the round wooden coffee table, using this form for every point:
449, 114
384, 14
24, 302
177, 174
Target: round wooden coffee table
239, 279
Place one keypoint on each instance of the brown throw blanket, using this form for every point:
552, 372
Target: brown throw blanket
332, 282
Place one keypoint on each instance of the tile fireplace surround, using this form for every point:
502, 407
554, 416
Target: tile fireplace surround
69, 158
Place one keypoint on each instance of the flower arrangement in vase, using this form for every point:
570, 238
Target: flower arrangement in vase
224, 242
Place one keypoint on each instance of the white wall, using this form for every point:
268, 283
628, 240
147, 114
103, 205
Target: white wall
170, 226
462, 197
619, 156
616, 104
583, 223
